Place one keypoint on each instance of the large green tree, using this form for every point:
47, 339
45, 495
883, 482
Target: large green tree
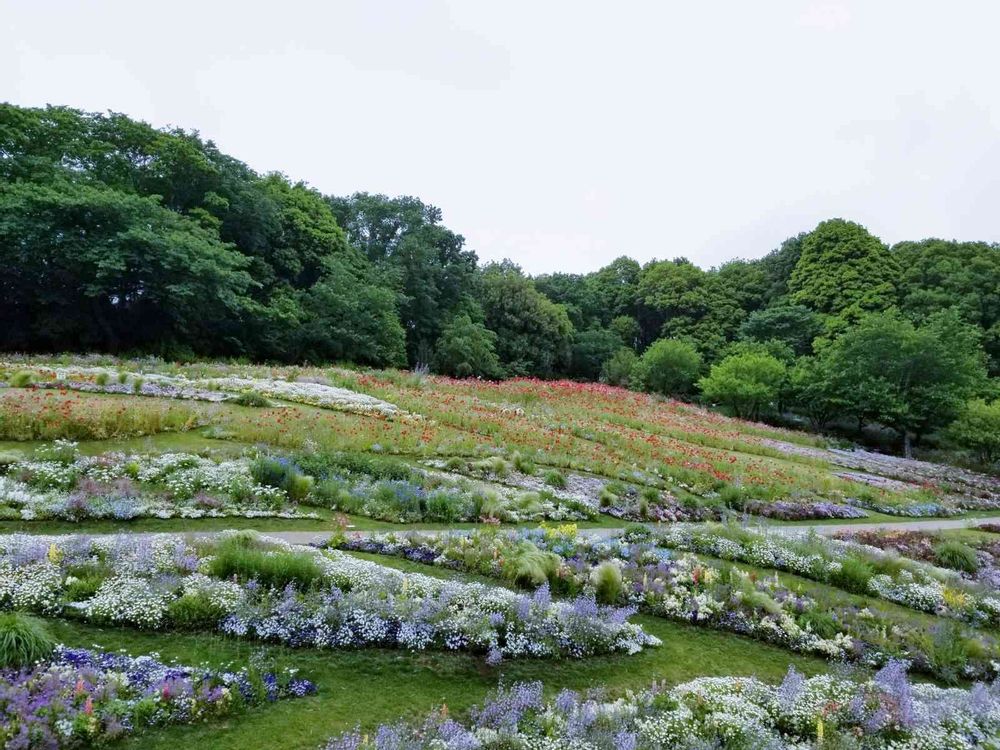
843, 271
422, 259
534, 335
938, 275
89, 267
177, 243
913, 379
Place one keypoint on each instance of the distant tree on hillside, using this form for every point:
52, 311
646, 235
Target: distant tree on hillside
844, 272
746, 383
668, 367
534, 335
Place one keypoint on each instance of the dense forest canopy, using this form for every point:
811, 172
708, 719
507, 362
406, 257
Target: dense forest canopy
117, 236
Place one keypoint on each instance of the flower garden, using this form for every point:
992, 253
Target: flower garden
500, 565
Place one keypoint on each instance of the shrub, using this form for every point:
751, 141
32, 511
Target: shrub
268, 471
606, 579
523, 464
555, 478
83, 581
22, 379
102, 379
529, 566
978, 429
23, 640
618, 369
195, 612
954, 554
853, 575
668, 367
137, 384
746, 383
251, 398
238, 557
122, 378
298, 486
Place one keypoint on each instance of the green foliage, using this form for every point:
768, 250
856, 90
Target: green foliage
606, 579
854, 574
466, 349
534, 335
956, 555
555, 478
22, 379
194, 612
591, 349
618, 369
938, 275
746, 383
425, 262
843, 271
529, 566
977, 429
794, 325
23, 640
115, 235
238, 556
102, 378
668, 367
251, 398
912, 379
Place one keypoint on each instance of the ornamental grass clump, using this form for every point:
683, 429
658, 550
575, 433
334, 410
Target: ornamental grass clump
606, 579
956, 555
239, 557
24, 640
252, 399
22, 379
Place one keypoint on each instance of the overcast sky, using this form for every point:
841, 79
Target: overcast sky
564, 134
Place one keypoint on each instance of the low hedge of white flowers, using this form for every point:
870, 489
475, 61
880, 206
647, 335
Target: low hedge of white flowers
723, 713
297, 596
106, 380
61, 484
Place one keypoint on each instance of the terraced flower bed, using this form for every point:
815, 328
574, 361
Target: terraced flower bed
638, 570
883, 713
79, 697
252, 587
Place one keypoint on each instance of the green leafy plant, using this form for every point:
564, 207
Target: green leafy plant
23, 640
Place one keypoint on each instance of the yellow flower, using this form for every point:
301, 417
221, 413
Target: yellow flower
819, 729
954, 598
55, 554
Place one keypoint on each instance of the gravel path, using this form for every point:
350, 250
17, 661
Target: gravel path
930, 524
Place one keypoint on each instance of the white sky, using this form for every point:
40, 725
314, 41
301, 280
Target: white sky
564, 134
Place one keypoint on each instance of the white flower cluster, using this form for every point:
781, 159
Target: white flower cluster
127, 600
313, 394
171, 484
356, 603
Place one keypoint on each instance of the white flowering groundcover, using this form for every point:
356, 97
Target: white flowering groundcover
354, 604
885, 712
120, 486
322, 395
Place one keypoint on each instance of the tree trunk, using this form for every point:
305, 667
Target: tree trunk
907, 444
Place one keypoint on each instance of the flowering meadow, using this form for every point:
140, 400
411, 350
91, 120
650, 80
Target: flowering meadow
665, 460
662, 629
81, 697
884, 712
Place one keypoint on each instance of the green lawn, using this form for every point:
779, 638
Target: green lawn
368, 687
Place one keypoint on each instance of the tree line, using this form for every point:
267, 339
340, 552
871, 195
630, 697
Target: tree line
117, 236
